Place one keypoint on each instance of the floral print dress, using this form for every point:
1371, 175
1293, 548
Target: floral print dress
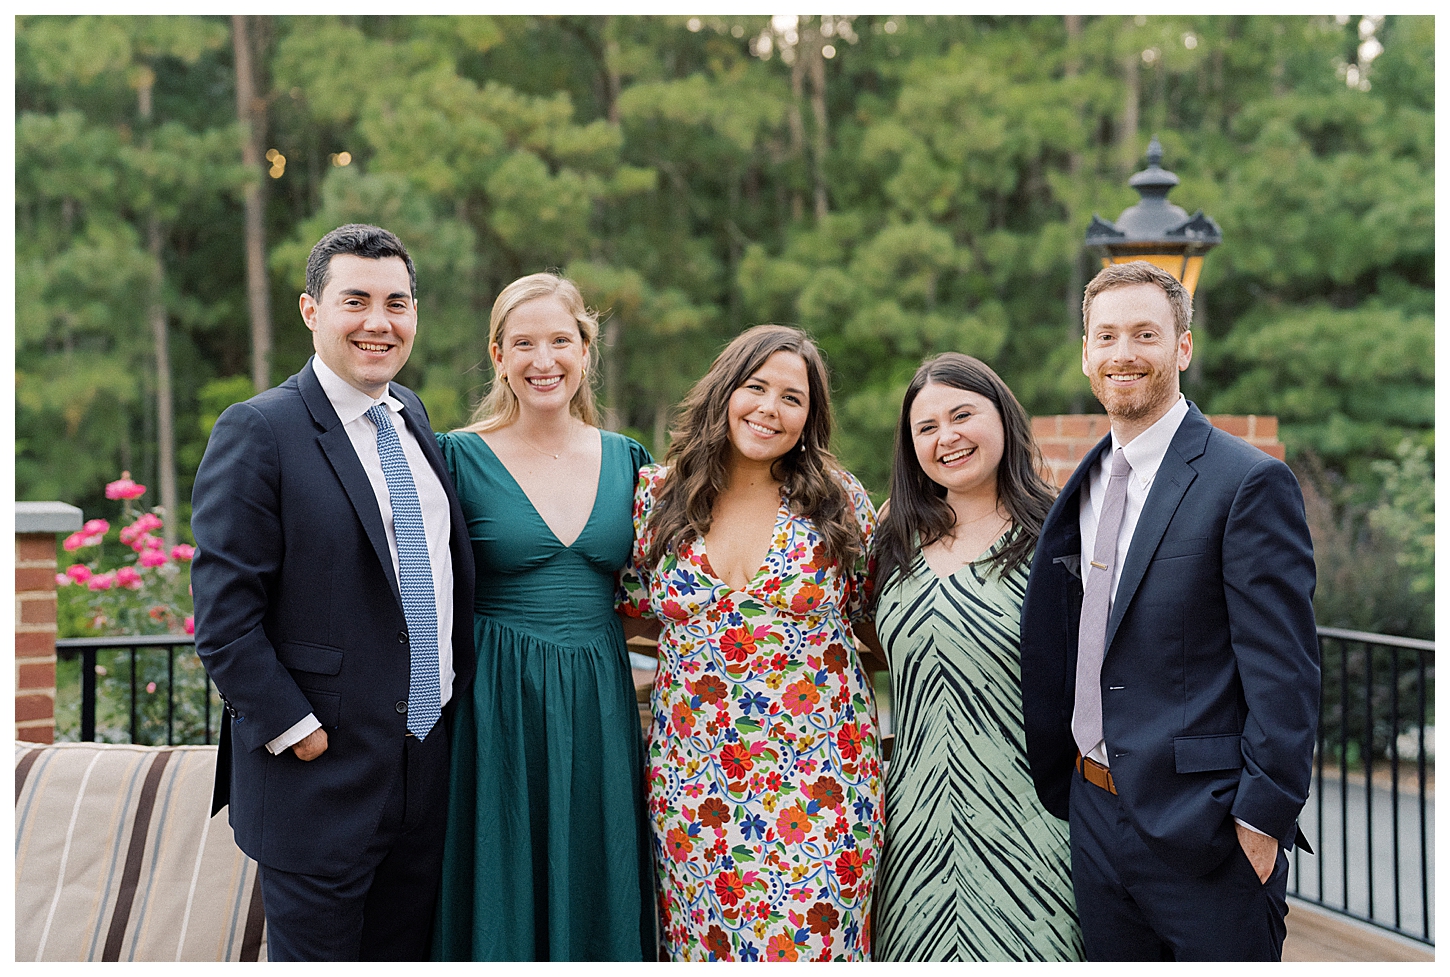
764, 775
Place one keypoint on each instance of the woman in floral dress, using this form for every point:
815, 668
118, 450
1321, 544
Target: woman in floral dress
764, 777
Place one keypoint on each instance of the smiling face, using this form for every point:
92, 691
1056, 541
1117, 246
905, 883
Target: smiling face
542, 354
364, 321
769, 410
1131, 356
958, 438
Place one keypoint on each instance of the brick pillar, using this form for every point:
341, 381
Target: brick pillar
36, 526
1066, 438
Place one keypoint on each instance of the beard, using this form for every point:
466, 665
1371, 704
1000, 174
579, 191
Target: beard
1154, 395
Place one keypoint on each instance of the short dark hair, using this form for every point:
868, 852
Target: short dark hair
363, 240
1141, 273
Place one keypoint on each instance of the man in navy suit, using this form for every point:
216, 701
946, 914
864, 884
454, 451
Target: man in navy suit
300, 515
1170, 669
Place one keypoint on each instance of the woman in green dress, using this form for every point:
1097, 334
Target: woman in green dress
547, 851
974, 868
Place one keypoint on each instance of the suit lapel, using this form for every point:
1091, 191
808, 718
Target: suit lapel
1061, 527
1174, 477
337, 446
425, 438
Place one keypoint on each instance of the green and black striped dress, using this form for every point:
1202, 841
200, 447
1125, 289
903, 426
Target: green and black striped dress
973, 867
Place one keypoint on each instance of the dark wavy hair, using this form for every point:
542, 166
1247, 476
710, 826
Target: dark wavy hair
698, 460
919, 509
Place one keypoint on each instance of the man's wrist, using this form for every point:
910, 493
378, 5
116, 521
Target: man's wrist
294, 735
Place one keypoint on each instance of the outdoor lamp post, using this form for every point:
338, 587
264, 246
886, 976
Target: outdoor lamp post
1155, 230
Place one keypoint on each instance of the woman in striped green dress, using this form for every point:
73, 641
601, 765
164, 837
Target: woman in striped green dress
973, 868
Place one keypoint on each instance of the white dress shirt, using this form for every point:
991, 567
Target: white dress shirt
352, 405
1145, 455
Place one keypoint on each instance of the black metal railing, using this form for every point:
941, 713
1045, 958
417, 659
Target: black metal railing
189, 702
1370, 814
1377, 692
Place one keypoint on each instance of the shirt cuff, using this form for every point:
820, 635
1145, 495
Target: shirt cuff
1251, 827
297, 734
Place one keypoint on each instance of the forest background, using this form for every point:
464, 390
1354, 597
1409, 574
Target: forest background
896, 185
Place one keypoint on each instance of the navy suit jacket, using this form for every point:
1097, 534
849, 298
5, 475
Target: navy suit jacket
297, 611
1210, 676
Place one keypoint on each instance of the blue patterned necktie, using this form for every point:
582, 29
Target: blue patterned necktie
415, 577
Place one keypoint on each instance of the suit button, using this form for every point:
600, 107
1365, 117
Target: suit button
401, 706
402, 637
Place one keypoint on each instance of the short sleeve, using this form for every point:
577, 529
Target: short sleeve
856, 579
448, 444
639, 454
632, 594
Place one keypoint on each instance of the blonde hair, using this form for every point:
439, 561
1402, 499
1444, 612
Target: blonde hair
500, 407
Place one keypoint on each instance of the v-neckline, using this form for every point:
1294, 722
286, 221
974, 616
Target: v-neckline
594, 507
985, 554
783, 508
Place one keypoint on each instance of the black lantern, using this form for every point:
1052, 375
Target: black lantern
1155, 230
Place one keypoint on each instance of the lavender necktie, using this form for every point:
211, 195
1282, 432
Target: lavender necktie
1092, 632
415, 577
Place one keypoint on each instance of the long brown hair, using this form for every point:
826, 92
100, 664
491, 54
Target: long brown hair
698, 461
500, 407
919, 514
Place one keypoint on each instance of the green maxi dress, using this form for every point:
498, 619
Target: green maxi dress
973, 868
547, 853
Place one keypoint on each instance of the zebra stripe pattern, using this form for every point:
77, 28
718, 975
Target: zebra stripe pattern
974, 868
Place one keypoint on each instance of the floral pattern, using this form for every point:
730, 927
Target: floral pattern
764, 773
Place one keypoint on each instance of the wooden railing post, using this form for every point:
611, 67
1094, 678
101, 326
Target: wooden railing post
36, 526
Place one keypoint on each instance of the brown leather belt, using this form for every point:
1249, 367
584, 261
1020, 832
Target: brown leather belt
1096, 774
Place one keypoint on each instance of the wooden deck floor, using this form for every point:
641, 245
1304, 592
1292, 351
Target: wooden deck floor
1316, 934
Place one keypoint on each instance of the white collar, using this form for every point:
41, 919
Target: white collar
1145, 452
348, 401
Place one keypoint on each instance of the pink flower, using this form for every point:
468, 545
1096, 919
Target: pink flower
128, 577
62, 580
78, 572
101, 581
154, 542
96, 527
124, 488
190, 624
152, 558
150, 686
182, 552
76, 540
148, 521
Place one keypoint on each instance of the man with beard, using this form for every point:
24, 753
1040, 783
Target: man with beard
1170, 669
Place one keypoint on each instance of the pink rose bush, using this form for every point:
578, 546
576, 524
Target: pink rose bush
149, 592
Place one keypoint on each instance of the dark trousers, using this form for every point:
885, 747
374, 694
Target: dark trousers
1133, 906
381, 908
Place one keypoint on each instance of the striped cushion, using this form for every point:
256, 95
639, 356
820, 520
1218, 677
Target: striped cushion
116, 858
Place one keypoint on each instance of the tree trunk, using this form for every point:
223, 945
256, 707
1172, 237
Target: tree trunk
1128, 131
661, 431
1077, 403
251, 111
811, 38
797, 128
161, 341
165, 415
612, 329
